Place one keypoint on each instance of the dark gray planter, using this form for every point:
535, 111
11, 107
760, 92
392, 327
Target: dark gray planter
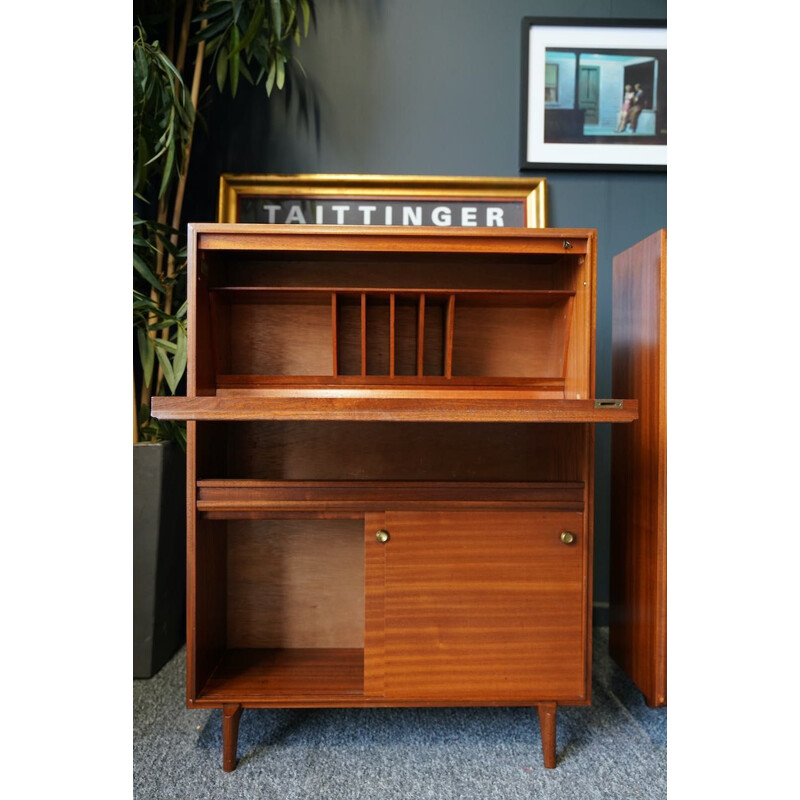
159, 555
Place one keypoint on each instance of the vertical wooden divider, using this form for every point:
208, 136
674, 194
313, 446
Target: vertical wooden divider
363, 333
391, 334
421, 336
448, 337
215, 325
335, 334
567, 330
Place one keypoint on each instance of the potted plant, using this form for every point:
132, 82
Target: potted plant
180, 49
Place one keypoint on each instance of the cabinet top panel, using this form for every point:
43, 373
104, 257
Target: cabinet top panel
356, 238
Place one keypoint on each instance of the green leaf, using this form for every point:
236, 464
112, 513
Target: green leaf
237, 9
179, 362
215, 10
165, 346
234, 61
165, 178
142, 268
168, 66
140, 64
281, 77
212, 47
166, 368
222, 67
276, 16
146, 355
256, 22
180, 436
291, 18
211, 31
306, 16
234, 74
167, 322
271, 78
296, 62
246, 72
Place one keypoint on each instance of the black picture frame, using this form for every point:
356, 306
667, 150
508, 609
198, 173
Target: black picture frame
578, 125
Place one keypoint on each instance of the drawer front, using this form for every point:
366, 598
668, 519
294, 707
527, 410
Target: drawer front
488, 605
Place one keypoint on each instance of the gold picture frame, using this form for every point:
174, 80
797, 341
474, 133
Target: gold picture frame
383, 200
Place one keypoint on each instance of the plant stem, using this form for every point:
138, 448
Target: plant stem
184, 40
180, 191
163, 209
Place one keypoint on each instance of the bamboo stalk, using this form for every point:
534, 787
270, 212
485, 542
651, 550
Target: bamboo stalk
180, 192
184, 40
148, 390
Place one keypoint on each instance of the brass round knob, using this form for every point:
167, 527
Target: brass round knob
382, 536
567, 537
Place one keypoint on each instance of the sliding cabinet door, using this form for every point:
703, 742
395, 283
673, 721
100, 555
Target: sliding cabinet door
476, 606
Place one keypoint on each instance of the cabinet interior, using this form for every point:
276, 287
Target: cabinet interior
281, 319
282, 506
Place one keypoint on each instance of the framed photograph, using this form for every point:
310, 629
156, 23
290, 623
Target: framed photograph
383, 200
594, 94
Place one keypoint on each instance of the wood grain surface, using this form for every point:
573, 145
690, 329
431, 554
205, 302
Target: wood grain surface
403, 409
638, 571
433, 385
483, 604
295, 584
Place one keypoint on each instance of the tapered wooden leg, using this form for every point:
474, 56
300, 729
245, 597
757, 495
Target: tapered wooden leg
231, 714
547, 724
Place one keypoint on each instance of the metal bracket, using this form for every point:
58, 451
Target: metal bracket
608, 403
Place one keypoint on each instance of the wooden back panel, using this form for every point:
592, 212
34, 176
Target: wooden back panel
402, 451
391, 270
295, 583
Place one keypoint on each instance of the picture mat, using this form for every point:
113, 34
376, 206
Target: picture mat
541, 37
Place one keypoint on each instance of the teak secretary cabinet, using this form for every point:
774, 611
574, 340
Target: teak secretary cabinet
390, 468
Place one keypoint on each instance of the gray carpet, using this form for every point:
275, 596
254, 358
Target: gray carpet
614, 749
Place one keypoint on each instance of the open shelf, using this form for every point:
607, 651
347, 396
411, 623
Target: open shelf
255, 674
394, 332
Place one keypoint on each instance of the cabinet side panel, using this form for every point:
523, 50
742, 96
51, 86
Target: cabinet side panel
637, 636
205, 636
203, 344
209, 604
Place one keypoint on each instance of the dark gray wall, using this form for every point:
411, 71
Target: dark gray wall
431, 87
